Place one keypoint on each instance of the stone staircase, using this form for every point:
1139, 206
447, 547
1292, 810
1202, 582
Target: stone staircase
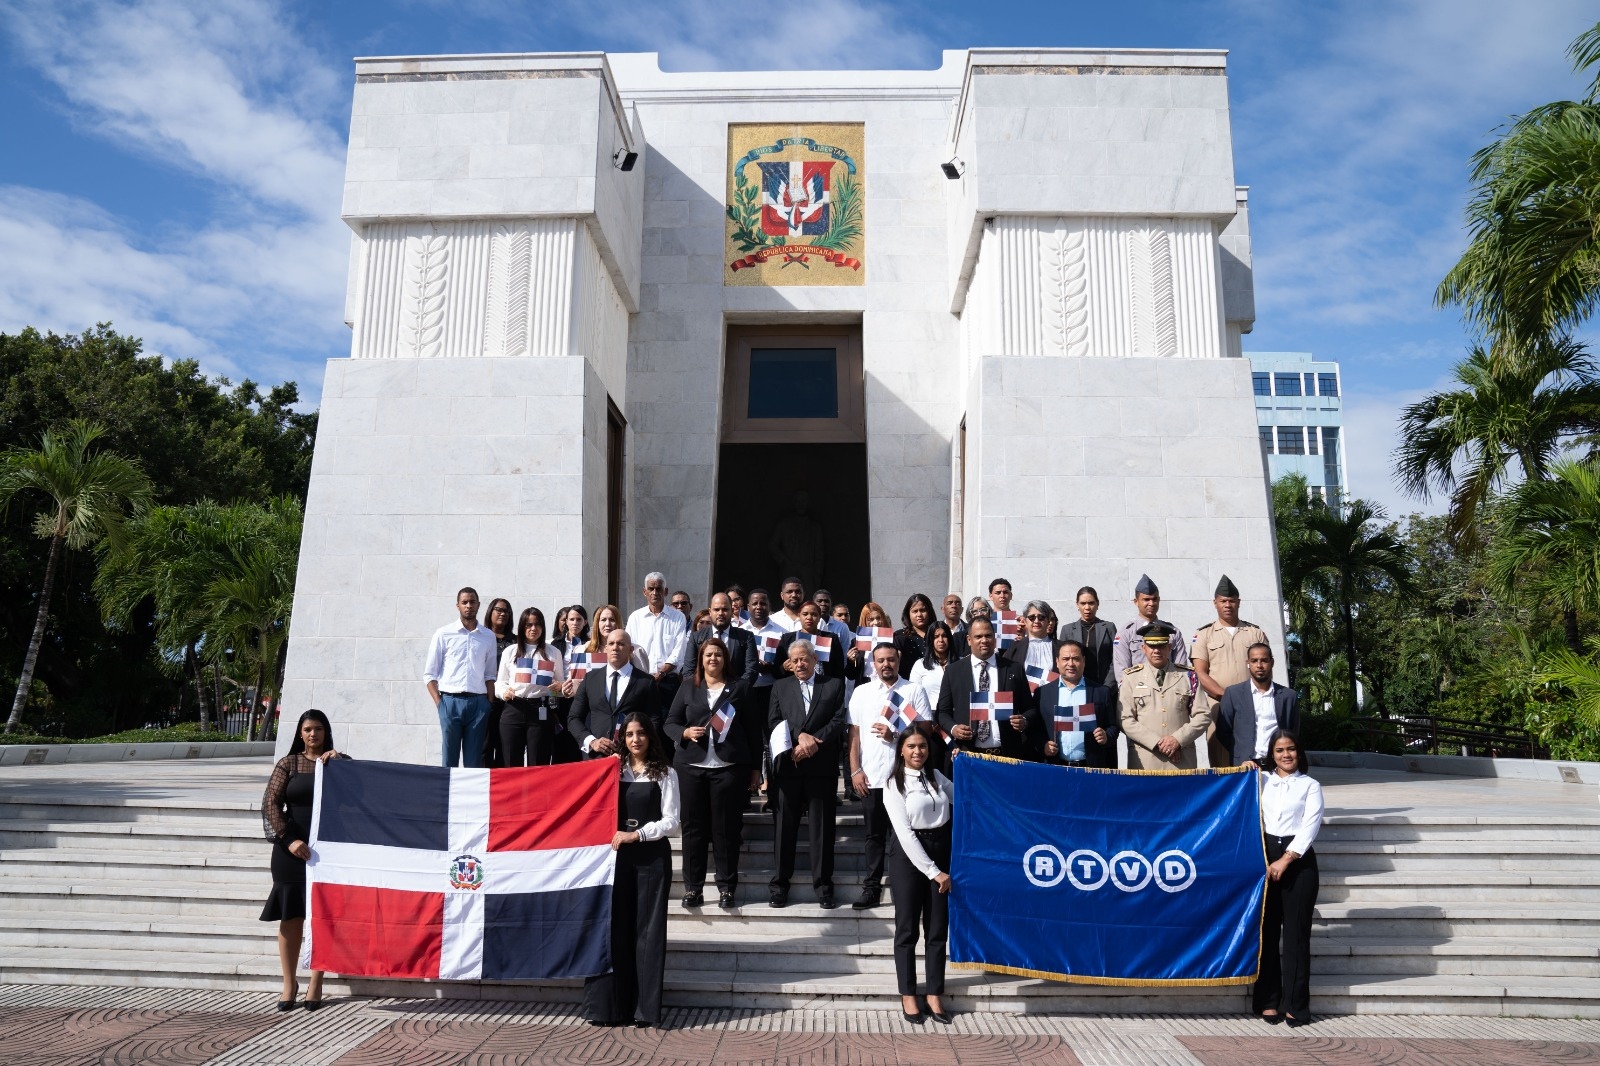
1439, 913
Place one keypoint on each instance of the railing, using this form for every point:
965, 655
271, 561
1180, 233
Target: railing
1429, 734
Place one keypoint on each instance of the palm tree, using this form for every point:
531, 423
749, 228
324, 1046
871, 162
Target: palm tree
1508, 416
1532, 267
91, 494
1567, 669
1548, 541
1350, 553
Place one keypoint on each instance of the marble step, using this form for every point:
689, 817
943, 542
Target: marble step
191, 863
1432, 886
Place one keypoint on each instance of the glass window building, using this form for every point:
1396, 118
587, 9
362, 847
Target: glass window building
1300, 411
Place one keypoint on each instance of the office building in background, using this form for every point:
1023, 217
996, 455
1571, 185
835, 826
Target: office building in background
1300, 412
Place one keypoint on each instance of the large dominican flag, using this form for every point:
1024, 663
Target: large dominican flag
453, 874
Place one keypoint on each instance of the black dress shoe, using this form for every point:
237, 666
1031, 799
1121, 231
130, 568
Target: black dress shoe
1295, 1023
778, 898
313, 1004
942, 1017
1272, 1019
694, 899
286, 1004
871, 896
825, 898
915, 1019
726, 901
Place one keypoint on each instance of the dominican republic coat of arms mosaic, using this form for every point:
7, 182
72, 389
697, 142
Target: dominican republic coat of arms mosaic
796, 212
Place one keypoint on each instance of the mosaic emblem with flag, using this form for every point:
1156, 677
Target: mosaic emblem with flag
460, 875
795, 204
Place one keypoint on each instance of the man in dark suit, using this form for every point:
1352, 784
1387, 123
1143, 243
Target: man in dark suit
1019, 736
1095, 742
1253, 708
811, 709
607, 696
1037, 646
742, 656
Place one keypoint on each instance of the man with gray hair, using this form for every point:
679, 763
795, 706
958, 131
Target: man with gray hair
808, 723
662, 632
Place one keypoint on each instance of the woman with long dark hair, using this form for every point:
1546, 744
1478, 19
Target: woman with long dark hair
918, 799
531, 675
717, 753
927, 673
647, 814
912, 637
1291, 815
286, 809
497, 619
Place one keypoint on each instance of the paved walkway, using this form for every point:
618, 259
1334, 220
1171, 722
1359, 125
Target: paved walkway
46, 1025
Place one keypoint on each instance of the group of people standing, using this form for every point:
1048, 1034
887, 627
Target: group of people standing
702, 716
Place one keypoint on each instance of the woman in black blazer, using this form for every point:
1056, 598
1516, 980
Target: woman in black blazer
717, 752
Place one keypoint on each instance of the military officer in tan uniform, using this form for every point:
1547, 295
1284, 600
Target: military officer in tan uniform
1159, 711
1219, 655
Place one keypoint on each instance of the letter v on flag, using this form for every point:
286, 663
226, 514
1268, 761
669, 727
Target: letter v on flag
457, 874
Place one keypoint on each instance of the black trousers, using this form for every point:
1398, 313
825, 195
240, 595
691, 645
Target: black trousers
521, 732
632, 990
1284, 983
713, 814
918, 904
493, 749
877, 825
817, 798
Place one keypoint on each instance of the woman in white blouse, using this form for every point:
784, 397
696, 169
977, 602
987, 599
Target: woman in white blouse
648, 811
928, 671
532, 673
1291, 815
917, 799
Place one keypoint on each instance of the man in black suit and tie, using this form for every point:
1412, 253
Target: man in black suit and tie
1089, 741
742, 656
1017, 737
811, 710
607, 696
1254, 708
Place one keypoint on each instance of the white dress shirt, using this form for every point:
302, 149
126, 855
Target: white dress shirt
662, 636
981, 737
866, 710
508, 667
922, 806
783, 621
928, 679
712, 760
1266, 715
1291, 805
671, 805
460, 659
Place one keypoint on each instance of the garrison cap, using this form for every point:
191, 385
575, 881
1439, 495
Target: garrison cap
1156, 633
1226, 587
1146, 587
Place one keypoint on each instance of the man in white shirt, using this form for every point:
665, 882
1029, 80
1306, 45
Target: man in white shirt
661, 631
460, 669
872, 754
793, 594
1253, 709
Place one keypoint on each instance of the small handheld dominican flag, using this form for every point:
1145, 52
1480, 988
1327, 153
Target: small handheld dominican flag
722, 721
523, 673
462, 874
899, 712
1039, 675
1075, 719
581, 663
768, 643
822, 642
869, 637
1007, 627
990, 706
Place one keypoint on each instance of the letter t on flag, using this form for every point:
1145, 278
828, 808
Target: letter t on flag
451, 874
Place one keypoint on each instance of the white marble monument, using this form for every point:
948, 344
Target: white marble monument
567, 348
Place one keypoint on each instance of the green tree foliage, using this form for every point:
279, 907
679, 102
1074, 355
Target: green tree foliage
196, 438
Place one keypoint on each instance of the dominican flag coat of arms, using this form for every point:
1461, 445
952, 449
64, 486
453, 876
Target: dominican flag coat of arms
462, 874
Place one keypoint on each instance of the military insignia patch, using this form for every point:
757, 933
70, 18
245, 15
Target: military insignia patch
466, 873
795, 212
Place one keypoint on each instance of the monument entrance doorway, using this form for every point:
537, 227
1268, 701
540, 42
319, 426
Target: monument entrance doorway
792, 463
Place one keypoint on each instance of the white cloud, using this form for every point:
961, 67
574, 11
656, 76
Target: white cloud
1371, 432
225, 93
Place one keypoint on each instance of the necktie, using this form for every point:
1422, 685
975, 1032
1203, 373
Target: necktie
983, 676
614, 677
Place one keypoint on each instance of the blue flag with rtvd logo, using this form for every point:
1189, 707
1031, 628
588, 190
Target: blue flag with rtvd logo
1106, 878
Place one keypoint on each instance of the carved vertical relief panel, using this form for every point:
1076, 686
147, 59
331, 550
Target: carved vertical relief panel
1155, 324
1066, 250
510, 281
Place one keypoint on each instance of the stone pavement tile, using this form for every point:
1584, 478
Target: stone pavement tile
1359, 1051
129, 1036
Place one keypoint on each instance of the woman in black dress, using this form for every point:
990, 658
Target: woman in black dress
912, 638
286, 816
647, 814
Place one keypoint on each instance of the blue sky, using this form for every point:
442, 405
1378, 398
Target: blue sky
174, 166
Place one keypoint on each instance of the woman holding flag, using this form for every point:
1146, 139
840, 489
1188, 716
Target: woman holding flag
918, 799
531, 673
647, 814
717, 754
